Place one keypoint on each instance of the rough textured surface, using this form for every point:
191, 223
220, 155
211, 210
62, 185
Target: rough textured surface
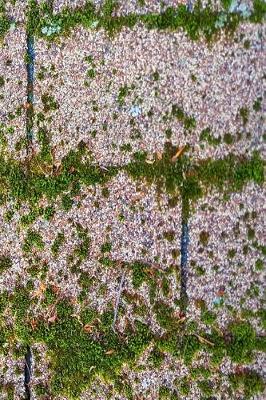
13, 89
164, 70
90, 275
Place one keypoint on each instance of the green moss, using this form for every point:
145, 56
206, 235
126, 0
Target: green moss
207, 136
231, 253
200, 22
10, 392
105, 193
249, 381
204, 238
107, 262
184, 387
232, 171
40, 390
259, 12
165, 286
228, 138
5, 263
207, 317
164, 393
33, 240
244, 114
189, 122
156, 357
200, 372
251, 233
242, 342
156, 76
21, 144
164, 172
169, 235
33, 17
247, 44
49, 103
164, 315
206, 387
257, 104
4, 25
200, 270
44, 140
48, 212
91, 73
106, 247
259, 264
29, 218
140, 273
75, 356
59, 240
126, 147
81, 251
66, 202
123, 92
168, 133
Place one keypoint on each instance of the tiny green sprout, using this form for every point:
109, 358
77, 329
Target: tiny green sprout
106, 247
257, 104
5, 263
244, 114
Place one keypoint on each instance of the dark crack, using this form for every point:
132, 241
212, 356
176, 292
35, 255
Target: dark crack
28, 373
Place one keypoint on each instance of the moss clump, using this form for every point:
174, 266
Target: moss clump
242, 342
106, 247
184, 386
206, 387
188, 122
156, 357
59, 240
169, 235
204, 238
257, 104
123, 92
33, 181
140, 273
207, 136
202, 21
164, 393
4, 24
164, 315
259, 11
81, 251
228, 138
49, 103
249, 381
66, 202
234, 172
244, 114
207, 317
5, 263
76, 356
33, 240
164, 172
45, 154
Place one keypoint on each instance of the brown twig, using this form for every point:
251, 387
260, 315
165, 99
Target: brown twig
203, 340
